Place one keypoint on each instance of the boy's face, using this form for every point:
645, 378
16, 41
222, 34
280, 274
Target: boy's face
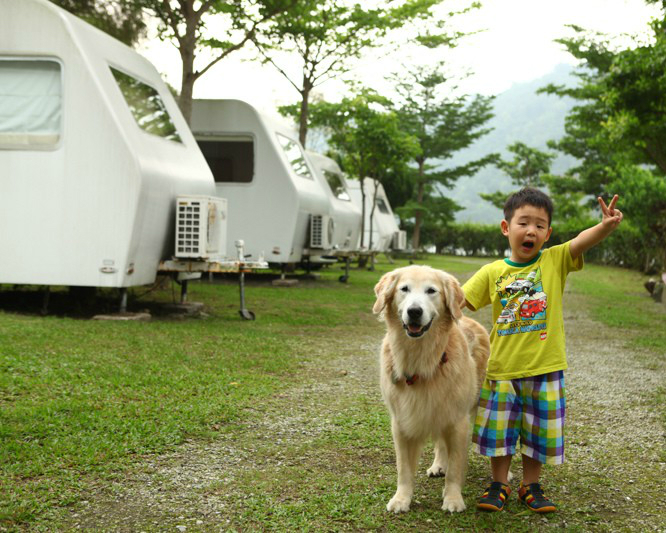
527, 231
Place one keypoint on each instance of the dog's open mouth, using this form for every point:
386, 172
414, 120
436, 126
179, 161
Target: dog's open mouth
416, 330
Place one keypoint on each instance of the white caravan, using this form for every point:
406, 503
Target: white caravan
345, 216
386, 235
275, 201
93, 153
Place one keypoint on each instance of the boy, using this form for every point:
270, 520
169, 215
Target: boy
523, 393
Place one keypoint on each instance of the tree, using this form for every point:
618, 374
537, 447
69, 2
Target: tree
185, 23
367, 136
326, 36
443, 125
122, 19
617, 131
528, 168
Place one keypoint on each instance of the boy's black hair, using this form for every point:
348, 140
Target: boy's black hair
528, 196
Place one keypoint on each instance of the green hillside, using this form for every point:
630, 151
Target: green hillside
520, 115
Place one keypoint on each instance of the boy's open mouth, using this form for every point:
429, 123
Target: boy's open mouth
528, 244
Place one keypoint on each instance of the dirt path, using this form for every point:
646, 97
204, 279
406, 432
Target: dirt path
615, 443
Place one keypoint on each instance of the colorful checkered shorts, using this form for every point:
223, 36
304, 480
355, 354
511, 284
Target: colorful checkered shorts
530, 408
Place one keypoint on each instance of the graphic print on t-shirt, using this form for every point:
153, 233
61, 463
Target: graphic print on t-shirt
524, 303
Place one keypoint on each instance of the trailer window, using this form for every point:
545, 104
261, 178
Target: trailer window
30, 103
381, 205
295, 156
231, 160
146, 106
337, 186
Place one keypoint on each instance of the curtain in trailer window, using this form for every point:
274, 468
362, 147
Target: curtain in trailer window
30, 102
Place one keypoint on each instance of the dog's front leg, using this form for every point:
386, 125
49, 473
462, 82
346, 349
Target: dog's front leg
407, 451
456, 442
438, 468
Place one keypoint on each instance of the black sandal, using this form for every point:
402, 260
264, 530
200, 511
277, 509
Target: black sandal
532, 495
494, 498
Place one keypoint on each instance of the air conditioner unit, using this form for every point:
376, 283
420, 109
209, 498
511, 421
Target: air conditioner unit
201, 227
399, 240
321, 231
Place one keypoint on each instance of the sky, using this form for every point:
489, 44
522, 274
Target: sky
516, 45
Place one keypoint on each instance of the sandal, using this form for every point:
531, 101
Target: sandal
532, 495
494, 497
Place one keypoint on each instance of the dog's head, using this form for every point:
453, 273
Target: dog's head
418, 296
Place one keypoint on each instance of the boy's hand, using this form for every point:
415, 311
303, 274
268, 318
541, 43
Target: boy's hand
586, 239
611, 217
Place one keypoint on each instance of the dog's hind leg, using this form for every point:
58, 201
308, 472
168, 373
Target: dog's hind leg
438, 468
407, 452
456, 443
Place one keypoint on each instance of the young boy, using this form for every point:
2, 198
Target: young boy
523, 394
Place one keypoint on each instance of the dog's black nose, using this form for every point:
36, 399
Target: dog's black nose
415, 311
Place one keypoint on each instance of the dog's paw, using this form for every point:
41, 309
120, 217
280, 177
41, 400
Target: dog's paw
454, 505
398, 504
436, 471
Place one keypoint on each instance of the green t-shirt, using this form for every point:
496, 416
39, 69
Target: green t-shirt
527, 338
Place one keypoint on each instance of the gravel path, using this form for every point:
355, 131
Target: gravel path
615, 441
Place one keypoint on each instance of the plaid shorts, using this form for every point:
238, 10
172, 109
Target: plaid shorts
530, 408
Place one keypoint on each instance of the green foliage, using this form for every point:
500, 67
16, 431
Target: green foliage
327, 36
185, 24
527, 169
617, 132
122, 19
443, 125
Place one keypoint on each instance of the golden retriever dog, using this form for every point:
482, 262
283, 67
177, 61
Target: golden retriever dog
433, 362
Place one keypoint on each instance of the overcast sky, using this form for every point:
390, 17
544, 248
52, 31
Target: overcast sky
517, 46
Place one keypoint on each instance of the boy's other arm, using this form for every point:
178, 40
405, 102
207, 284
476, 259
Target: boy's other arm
586, 239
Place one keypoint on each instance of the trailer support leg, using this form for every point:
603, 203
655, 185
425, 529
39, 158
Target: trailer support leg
123, 300
183, 291
345, 277
245, 313
45, 301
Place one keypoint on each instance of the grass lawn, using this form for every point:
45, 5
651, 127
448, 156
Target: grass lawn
83, 401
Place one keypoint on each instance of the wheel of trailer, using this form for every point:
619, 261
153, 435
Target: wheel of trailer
343, 278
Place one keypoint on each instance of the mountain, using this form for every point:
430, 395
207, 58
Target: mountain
520, 115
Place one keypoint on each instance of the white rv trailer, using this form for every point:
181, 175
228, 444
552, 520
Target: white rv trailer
345, 215
386, 235
93, 153
276, 202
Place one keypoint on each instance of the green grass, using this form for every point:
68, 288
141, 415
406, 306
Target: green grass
83, 401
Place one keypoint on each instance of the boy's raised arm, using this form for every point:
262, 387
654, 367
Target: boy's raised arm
586, 239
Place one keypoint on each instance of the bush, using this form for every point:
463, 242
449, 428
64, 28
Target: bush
625, 247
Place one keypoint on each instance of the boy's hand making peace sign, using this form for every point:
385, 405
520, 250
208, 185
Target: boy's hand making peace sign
586, 239
611, 217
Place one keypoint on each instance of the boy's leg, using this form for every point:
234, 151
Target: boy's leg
531, 470
495, 435
542, 436
500, 468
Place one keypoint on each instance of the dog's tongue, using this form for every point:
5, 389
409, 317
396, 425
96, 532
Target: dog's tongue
413, 328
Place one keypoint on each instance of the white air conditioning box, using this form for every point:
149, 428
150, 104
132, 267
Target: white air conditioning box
201, 227
321, 231
399, 240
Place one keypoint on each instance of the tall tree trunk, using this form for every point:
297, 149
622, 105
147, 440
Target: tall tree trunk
418, 215
361, 180
186, 47
305, 111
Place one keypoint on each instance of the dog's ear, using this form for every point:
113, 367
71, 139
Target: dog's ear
454, 296
384, 291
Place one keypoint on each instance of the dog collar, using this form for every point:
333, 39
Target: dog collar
410, 380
